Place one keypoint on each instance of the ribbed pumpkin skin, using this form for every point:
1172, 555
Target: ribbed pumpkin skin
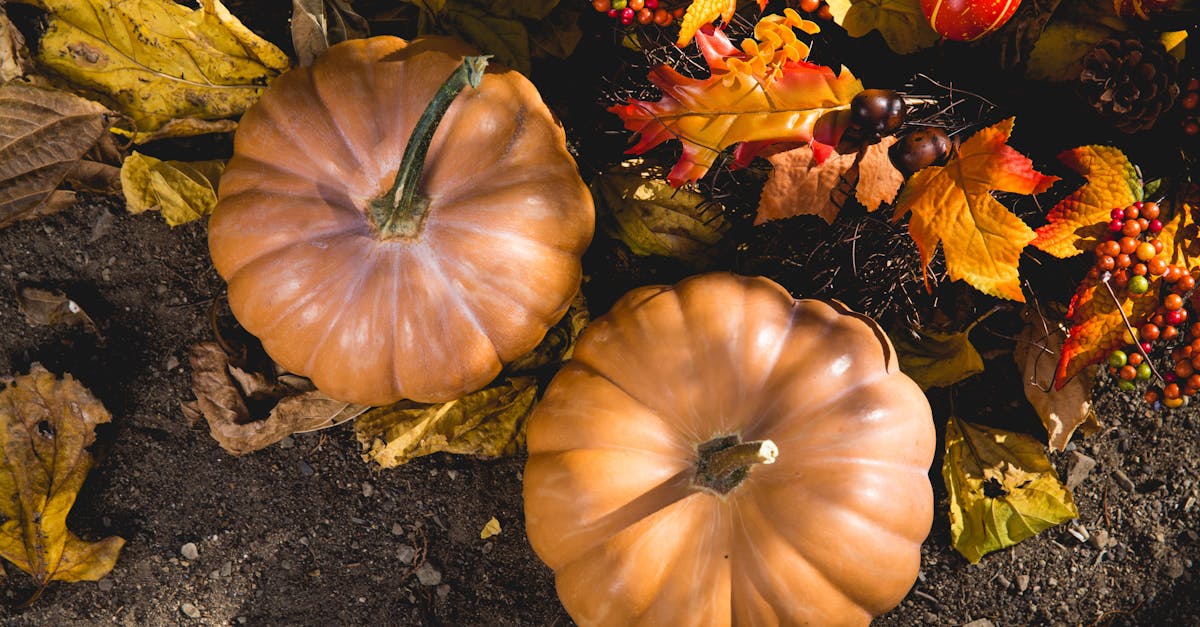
428, 318
829, 534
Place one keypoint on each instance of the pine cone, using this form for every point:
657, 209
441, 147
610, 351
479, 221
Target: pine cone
1129, 82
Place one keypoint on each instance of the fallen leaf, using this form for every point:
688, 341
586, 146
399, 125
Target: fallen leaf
492, 528
653, 218
953, 204
1002, 488
158, 61
487, 423
901, 22
1058, 53
14, 56
182, 191
222, 401
46, 425
318, 24
558, 35
1062, 410
43, 135
94, 176
49, 307
506, 38
798, 185
559, 343
762, 94
1080, 221
936, 358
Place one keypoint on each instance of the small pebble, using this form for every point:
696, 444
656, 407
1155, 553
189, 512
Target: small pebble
453, 474
1022, 582
287, 442
190, 552
305, 469
1174, 569
931, 618
368, 490
242, 620
1003, 581
1123, 480
982, 622
443, 591
427, 575
397, 529
216, 574
405, 553
172, 363
226, 568
1079, 466
189, 610
1099, 539
105, 585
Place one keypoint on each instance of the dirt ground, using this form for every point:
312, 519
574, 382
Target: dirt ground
307, 533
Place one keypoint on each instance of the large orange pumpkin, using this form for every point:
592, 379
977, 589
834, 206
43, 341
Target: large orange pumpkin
382, 280
650, 489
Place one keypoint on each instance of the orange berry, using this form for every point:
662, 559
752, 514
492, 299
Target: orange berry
1169, 333
1173, 301
1134, 358
645, 16
1149, 332
1184, 369
1157, 266
1123, 260
1149, 210
1131, 228
810, 6
1131, 212
1158, 245
1144, 251
1139, 269
1127, 372
1151, 397
602, 6
1171, 390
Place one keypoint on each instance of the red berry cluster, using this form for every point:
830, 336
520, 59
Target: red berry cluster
641, 11
1133, 257
1189, 102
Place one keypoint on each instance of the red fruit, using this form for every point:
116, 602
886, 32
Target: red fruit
1115, 226
1147, 347
651, 4
1155, 226
1117, 214
1176, 317
967, 20
614, 14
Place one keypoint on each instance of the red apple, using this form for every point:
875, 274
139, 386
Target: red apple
967, 20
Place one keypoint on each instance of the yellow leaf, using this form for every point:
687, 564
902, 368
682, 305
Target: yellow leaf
159, 61
702, 12
1062, 410
953, 204
1002, 488
46, 424
492, 528
936, 358
901, 22
1080, 221
183, 191
487, 423
1059, 51
798, 185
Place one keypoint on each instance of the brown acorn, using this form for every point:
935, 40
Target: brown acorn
926, 146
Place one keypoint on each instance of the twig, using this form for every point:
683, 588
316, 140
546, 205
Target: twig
1132, 333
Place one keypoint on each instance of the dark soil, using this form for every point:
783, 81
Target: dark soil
307, 533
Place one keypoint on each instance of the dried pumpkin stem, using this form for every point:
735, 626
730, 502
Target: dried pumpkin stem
724, 464
402, 210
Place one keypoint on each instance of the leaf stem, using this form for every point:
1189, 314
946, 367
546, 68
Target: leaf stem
402, 210
725, 462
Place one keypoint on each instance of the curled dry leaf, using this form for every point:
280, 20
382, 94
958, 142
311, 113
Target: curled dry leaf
799, 185
559, 342
1002, 488
173, 70
487, 423
46, 425
182, 191
653, 218
43, 135
318, 24
44, 307
935, 358
1062, 410
222, 391
14, 56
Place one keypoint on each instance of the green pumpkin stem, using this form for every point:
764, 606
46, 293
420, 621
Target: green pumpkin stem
725, 462
402, 210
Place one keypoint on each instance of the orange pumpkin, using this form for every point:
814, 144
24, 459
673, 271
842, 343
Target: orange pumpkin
385, 268
650, 488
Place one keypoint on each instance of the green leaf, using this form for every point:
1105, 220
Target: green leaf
937, 359
487, 423
559, 343
642, 210
901, 22
183, 191
1002, 488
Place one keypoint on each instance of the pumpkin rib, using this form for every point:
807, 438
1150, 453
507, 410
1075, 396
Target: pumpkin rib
314, 93
352, 86
349, 293
456, 292
231, 271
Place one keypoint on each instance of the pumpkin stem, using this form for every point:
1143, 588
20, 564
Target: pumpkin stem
725, 462
402, 210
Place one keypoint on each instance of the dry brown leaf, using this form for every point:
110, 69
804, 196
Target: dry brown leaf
318, 24
800, 186
46, 425
14, 56
43, 134
222, 390
48, 307
1064, 410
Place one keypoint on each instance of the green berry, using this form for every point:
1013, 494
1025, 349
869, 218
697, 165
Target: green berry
619, 4
1144, 371
1117, 358
1127, 386
1138, 284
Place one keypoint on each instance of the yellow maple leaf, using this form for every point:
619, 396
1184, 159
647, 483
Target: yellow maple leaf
46, 424
1080, 221
953, 204
173, 70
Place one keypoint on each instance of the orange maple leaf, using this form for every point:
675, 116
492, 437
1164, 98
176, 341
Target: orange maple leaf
761, 94
953, 204
800, 184
702, 12
1096, 323
1080, 221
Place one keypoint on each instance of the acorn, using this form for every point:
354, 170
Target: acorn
926, 146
